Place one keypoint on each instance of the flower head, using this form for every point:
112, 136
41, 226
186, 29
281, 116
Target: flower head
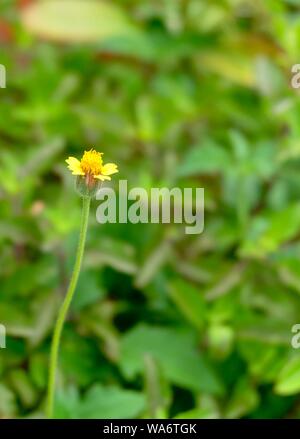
90, 172
91, 166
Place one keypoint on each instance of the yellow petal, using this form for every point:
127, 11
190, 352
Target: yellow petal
74, 166
109, 169
102, 177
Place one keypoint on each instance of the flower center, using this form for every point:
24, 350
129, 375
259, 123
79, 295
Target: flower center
91, 162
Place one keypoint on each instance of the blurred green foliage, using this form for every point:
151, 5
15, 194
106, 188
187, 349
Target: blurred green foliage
187, 93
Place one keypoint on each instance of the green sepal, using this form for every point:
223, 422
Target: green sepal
87, 188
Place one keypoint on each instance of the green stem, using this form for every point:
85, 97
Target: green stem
65, 307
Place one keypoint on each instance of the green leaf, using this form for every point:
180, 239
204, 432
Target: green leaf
244, 399
87, 370
23, 387
235, 67
76, 21
189, 301
175, 351
207, 158
88, 291
268, 232
288, 382
7, 402
198, 414
105, 402
38, 369
158, 391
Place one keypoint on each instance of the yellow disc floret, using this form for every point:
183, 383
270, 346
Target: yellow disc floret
91, 162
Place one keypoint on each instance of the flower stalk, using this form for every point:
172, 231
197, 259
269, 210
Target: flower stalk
90, 171
86, 200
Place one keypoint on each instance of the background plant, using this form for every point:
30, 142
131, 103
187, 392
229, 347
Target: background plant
186, 93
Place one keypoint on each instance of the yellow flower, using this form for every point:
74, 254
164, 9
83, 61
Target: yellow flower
91, 166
